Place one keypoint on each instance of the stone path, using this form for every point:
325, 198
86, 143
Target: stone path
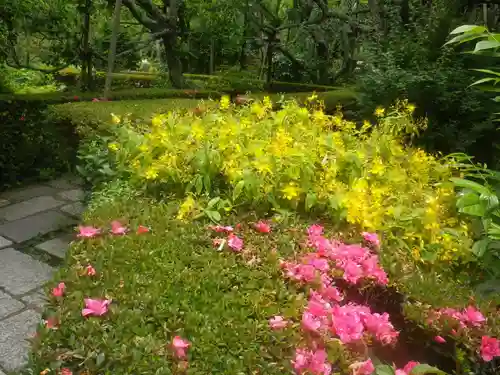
36, 227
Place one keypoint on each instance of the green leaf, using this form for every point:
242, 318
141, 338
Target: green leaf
474, 210
480, 247
238, 189
384, 370
207, 183
213, 202
198, 184
213, 215
311, 200
468, 199
467, 184
424, 369
486, 44
488, 71
483, 80
494, 231
100, 359
469, 29
464, 38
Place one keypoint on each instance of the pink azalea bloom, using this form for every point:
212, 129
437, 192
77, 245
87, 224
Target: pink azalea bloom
221, 229
180, 345
117, 228
439, 339
409, 366
234, 242
362, 368
142, 229
315, 230
301, 360
95, 307
88, 232
90, 270
347, 325
473, 317
278, 322
400, 372
58, 291
262, 227
306, 272
310, 322
318, 364
331, 293
490, 348
66, 371
352, 272
51, 323
380, 326
371, 238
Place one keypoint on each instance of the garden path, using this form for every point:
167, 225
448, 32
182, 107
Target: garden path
36, 226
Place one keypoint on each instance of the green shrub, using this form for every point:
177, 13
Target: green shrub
292, 160
30, 146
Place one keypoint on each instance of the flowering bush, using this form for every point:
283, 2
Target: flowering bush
303, 160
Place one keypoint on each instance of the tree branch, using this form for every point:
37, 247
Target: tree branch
139, 15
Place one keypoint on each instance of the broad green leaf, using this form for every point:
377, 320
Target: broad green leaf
494, 231
384, 370
460, 182
311, 200
198, 184
464, 38
488, 71
213, 202
238, 189
486, 44
480, 247
468, 29
468, 199
424, 369
474, 210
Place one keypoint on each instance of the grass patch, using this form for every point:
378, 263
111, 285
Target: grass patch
169, 282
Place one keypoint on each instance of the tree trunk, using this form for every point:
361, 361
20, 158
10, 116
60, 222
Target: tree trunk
173, 62
269, 58
112, 47
211, 67
84, 80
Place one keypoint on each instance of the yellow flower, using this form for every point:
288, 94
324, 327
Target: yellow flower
113, 146
225, 102
157, 121
291, 191
186, 208
45, 372
151, 173
410, 108
379, 111
143, 148
267, 102
115, 119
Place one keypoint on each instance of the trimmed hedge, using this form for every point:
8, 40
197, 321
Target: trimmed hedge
31, 147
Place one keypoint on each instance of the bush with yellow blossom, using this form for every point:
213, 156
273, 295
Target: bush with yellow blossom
301, 159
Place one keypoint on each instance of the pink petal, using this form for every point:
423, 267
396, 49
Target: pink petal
117, 228
439, 339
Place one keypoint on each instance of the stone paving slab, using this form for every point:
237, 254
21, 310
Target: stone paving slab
36, 300
74, 209
32, 226
21, 273
29, 207
4, 242
66, 182
18, 195
74, 195
9, 305
56, 246
13, 339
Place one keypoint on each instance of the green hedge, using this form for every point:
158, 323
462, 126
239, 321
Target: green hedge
31, 147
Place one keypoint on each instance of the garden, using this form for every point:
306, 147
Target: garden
273, 187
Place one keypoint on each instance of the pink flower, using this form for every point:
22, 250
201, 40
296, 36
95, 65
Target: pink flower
180, 345
221, 229
315, 230
409, 366
473, 317
346, 323
352, 272
331, 293
66, 371
117, 228
51, 323
380, 326
22, 118
310, 322
362, 368
371, 238
439, 339
90, 270
58, 291
262, 227
88, 232
95, 100
277, 322
314, 363
95, 307
490, 348
234, 242
142, 229
400, 372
